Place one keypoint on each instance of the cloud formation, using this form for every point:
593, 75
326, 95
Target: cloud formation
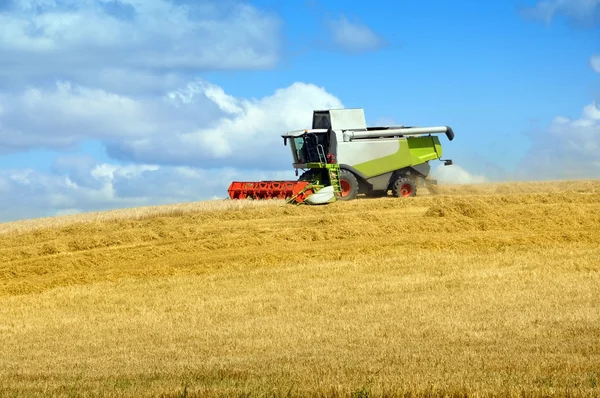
568, 149
581, 13
69, 38
83, 185
354, 36
199, 125
247, 134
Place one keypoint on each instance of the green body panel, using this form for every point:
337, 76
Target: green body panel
412, 151
424, 149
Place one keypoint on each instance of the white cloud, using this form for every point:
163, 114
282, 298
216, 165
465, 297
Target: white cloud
583, 13
354, 36
569, 148
199, 125
72, 37
67, 114
29, 194
595, 62
455, 174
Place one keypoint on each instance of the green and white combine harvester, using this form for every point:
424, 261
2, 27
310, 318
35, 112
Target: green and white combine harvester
341, 157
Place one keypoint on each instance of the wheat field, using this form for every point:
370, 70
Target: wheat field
476, 290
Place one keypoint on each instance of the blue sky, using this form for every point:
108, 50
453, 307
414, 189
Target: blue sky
107, 104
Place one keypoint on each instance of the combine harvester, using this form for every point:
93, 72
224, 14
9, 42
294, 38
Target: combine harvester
341, 157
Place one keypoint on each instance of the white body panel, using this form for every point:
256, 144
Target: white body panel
352, 153
323, 196
347, 119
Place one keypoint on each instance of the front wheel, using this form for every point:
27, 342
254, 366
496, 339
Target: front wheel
348, 185
404, 187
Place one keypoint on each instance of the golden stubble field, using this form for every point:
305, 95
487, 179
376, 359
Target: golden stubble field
488, 290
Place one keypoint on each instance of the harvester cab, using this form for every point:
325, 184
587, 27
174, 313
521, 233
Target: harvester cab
341, 157
310, 147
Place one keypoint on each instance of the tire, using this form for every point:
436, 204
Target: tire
404, 188
348, 185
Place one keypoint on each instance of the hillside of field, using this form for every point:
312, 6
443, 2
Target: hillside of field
474, 290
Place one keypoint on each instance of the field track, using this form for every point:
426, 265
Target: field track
482, 290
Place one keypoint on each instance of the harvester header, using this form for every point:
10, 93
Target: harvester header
341, 157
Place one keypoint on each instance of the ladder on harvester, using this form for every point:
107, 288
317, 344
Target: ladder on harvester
334, 177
